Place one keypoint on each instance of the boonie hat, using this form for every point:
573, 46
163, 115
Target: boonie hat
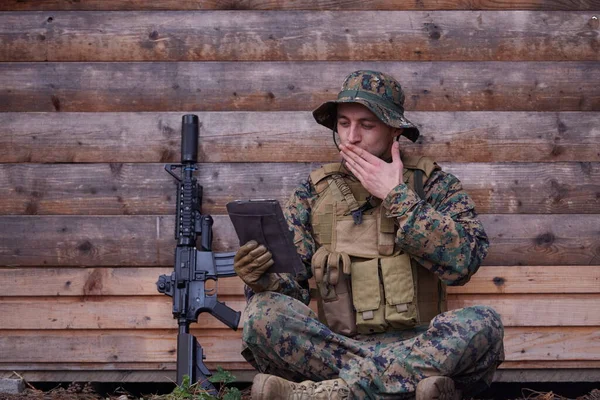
377, 91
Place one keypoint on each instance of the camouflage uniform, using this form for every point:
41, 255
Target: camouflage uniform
283, 336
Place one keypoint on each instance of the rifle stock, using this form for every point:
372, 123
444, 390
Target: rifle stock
193, 266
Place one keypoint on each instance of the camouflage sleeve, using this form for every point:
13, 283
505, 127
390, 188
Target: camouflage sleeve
442, 234
297, 213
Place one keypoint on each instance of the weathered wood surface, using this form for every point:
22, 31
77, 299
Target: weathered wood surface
282, 86
299, 36
557, 365
150, 367
133, 346
158, 347
583, 373
126, 281
123, 189
278, 136
383, 5
154, 312
100, 312
517, 239
532, 279
536, 309
80, 281
558, 373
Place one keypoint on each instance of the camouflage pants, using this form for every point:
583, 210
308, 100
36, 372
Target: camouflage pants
282, 336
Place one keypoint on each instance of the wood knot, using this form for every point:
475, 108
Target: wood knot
498, 281
85, 247
116, 169
433, 31
93, 284
55, 102
545, 239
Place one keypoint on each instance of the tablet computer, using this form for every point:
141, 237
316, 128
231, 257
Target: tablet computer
263, 221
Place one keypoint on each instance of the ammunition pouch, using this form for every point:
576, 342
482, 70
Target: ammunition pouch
384, 294
331, 270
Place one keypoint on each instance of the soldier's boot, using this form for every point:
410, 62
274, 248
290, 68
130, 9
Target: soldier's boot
438, 388
271, 387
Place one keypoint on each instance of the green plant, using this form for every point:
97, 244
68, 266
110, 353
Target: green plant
194, 391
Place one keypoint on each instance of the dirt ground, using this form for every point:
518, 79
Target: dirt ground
76, 391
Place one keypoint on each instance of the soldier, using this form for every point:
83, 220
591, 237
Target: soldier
382, 235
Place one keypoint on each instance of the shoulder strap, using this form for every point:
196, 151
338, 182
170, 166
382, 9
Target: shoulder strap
341, 188
425, 164
419, 190
332, 176
417, 170
326, 170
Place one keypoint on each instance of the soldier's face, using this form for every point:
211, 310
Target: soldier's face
356, 124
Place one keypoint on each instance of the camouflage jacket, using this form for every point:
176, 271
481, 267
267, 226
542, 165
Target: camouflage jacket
442, 233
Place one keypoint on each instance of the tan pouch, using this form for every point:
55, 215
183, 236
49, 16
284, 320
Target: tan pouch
339, 313
399, 288
350, 238
335, 296
367, 296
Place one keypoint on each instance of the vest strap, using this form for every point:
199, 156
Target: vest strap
419, 184
318, 263
333, 268
345, 191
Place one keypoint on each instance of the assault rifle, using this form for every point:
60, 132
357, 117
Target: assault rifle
193, 266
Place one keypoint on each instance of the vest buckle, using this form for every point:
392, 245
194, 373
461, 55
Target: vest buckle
357, 216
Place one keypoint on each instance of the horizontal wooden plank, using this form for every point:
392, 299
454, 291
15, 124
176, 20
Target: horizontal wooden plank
267, 136
544, 343
35, 367
101, 313
88, 366
387, 5
124, 281
554, 365
531, 279
126, 189
154, 312
536, 309
116, 347
298, 36
101, 189
518, 239
553, 372
293, 86
130, 376
552, 240
531, 188
557, 374
119, 349
96, 282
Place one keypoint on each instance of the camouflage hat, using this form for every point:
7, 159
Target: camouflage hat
379, 92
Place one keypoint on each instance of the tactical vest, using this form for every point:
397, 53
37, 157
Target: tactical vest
365, 284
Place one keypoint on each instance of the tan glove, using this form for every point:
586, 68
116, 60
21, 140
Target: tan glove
251, 262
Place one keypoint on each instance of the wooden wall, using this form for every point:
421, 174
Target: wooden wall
507, 94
